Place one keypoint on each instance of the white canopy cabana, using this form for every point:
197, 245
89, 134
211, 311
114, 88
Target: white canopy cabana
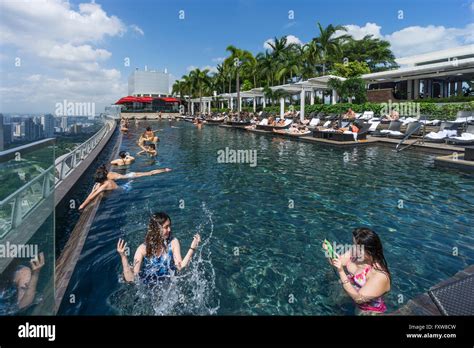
311, 85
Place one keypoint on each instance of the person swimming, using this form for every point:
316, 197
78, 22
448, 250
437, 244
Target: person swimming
149, 135
149, 149
367, 278
124, 160
159, 256
105, 181
22, 292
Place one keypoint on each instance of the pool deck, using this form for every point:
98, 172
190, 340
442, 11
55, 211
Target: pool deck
414, 143
423, 304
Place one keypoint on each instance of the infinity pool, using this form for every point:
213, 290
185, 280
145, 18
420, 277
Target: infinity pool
262, 225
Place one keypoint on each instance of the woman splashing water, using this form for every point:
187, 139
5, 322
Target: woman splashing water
160, 254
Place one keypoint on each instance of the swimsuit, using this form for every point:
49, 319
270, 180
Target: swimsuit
157, 269
130, 175
358, 280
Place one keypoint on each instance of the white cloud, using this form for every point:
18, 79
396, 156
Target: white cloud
290, 39
358, 32
218, 59
58, 43
76, 53
137, 29
415, 39
212, 69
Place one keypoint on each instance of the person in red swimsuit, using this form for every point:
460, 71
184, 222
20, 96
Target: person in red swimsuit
365, 277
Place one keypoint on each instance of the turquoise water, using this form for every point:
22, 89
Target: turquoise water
262, 226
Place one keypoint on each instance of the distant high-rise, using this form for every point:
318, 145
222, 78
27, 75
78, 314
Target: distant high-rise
149, 83
47, 121
64, 123
29, 129
2, 145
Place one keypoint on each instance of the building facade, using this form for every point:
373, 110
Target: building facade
149, 83
439, 74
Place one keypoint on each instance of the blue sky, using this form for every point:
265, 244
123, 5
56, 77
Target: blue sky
76, 50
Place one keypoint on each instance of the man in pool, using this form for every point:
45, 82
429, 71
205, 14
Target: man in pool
124, 160
149, 135
160, 254
105, 181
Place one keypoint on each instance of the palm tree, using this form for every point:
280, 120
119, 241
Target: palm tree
328, 45
375, 52
200, 79
238, 58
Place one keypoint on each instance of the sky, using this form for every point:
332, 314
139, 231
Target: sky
55, 50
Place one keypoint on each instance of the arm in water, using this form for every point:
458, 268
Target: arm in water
178, 261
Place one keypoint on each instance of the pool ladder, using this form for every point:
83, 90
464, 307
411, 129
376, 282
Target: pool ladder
398, 148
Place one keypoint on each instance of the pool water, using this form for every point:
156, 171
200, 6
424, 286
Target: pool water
262, 226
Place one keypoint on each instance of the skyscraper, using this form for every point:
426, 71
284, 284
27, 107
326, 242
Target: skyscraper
64, 123
2, 146
47, 121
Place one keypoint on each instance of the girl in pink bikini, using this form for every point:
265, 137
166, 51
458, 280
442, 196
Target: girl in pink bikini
365, 277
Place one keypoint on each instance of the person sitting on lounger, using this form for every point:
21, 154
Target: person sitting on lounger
349, 115
149, 149
124, 160
393, 116
281, 122
271, 121
105, 181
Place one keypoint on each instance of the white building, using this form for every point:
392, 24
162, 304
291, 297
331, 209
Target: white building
438, 74
149, 83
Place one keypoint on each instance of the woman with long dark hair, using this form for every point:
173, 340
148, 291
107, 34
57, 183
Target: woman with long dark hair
159, 256
367, 278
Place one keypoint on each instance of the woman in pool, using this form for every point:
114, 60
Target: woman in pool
23, 290
160, 254
367, 278
124, 160
105, 181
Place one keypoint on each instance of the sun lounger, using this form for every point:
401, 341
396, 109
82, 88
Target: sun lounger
412, 128
367, 115
466, 138
394, 128
446, 130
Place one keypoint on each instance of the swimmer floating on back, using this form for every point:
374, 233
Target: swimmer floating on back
159, 255
105, 181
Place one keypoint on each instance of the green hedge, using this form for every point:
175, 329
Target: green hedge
433, 111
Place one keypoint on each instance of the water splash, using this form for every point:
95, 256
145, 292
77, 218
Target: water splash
192, 292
